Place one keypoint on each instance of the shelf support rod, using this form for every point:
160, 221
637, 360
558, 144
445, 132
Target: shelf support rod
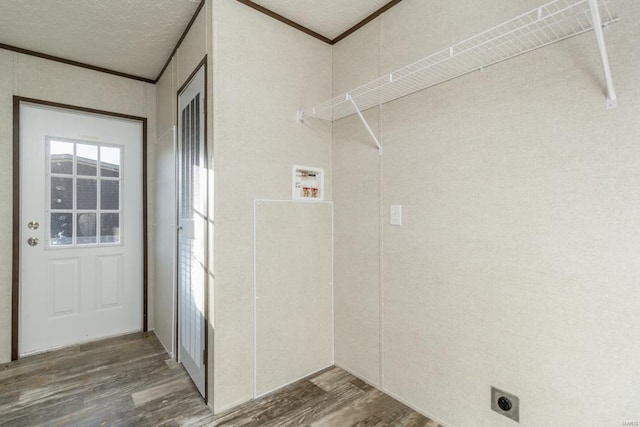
365, 123
612, 98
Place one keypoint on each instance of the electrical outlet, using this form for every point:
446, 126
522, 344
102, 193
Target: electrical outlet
506, 404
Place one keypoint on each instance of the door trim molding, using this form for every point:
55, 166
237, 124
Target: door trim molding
15, 273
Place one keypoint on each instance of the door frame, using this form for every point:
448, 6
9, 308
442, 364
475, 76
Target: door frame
202, 64
15, 286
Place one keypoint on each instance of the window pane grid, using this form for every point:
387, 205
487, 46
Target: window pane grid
85, 192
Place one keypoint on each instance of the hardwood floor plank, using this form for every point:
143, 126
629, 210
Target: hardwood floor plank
102, 414
332, 379
8, 398
43, 413
358, 410
160, 391
273, 406
132, 381
330, 402
361, 384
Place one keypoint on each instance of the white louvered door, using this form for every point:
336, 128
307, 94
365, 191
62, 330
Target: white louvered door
192, 217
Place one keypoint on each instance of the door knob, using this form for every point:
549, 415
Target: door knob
33, 225
32, 241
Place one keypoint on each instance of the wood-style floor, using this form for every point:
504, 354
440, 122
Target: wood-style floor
131, 381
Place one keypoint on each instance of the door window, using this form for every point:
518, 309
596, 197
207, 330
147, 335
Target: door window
85, 193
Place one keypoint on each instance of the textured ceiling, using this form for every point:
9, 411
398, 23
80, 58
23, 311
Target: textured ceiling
136, 37
130, 36
329, 18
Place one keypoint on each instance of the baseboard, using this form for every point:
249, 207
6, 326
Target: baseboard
396, 397
233, 406
258, 396
359, 376
419, 410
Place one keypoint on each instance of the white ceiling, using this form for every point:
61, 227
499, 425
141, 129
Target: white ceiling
130, 36
329, 18
136, 37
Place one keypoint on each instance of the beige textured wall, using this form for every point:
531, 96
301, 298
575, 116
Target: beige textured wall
356, 173
165, 220
166, 99
516, 265
6, 196
193, 47
41, 79
264, 72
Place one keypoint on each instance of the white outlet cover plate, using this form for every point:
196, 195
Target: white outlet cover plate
395, 215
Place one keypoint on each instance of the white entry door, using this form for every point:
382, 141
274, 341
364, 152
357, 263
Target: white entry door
81, 248
192, 216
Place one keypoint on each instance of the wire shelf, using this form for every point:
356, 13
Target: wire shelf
547, 24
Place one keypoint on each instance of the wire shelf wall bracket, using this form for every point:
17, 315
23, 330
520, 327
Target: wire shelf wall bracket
365, 123
550, 23
598, 24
